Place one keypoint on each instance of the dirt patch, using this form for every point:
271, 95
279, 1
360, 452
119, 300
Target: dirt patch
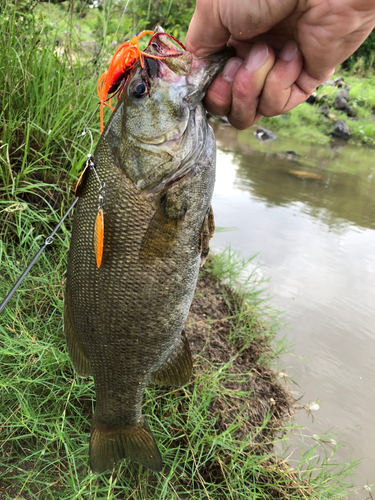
253, 391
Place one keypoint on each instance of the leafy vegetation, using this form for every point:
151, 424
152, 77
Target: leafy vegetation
115, 21
47, 96
363, 58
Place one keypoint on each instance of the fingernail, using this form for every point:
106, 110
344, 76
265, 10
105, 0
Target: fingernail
231, 68
257, 56
289, 51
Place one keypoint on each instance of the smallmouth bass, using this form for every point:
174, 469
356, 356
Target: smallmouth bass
124, 318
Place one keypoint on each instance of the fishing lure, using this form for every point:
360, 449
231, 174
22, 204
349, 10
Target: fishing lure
123, 60
112, 80
99, 219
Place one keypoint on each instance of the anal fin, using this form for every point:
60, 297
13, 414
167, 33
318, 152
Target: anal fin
108, 446
178, 368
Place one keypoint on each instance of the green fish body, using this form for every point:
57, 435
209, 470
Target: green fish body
124, 321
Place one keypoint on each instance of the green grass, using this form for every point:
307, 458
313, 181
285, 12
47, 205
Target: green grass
308, 124
45, 101
46, 411
305, 121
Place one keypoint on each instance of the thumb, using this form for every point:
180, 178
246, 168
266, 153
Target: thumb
206, 34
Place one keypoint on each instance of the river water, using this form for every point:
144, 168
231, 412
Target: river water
311, 218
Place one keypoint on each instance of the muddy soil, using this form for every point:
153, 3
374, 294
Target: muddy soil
219, 334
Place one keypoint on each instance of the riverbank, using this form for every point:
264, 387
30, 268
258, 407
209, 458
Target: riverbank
217, 434
310, 217
342, 108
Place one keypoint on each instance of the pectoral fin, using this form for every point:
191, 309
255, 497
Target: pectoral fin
161, 234
178, 368
208, 230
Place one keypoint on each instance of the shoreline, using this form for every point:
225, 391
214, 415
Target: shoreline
342, 108
217, 434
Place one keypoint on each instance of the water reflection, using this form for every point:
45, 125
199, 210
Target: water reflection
316, 238
333, 195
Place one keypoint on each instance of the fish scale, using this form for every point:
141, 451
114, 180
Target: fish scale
124, 320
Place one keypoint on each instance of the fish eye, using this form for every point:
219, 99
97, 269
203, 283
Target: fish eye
139, 89
155, 46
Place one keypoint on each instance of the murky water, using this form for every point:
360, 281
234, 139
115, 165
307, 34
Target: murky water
312, 220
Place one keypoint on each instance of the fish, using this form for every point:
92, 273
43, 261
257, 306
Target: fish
303, 174
148, 193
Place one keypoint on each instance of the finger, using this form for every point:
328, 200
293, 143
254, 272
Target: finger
218, 99
248, 85
281, 93
329, 32
308, 84
206, 34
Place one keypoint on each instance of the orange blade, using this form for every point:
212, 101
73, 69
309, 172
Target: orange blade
99, 237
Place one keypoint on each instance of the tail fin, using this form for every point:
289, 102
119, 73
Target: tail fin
134, 442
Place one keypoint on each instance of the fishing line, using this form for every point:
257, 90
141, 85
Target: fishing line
122, 16
49, 240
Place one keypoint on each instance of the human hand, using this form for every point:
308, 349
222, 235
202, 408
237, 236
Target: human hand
284, 49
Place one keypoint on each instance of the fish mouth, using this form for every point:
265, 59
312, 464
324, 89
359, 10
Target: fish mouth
191, 74
173, 136
196, 132
203, 71
176, 64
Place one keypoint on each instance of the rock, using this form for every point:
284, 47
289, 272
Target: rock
340, 102
288, 155
89, 47
312, 98
339, 82
325, 110
263, 134
341, 130
327, 82
350, 112
344, 93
